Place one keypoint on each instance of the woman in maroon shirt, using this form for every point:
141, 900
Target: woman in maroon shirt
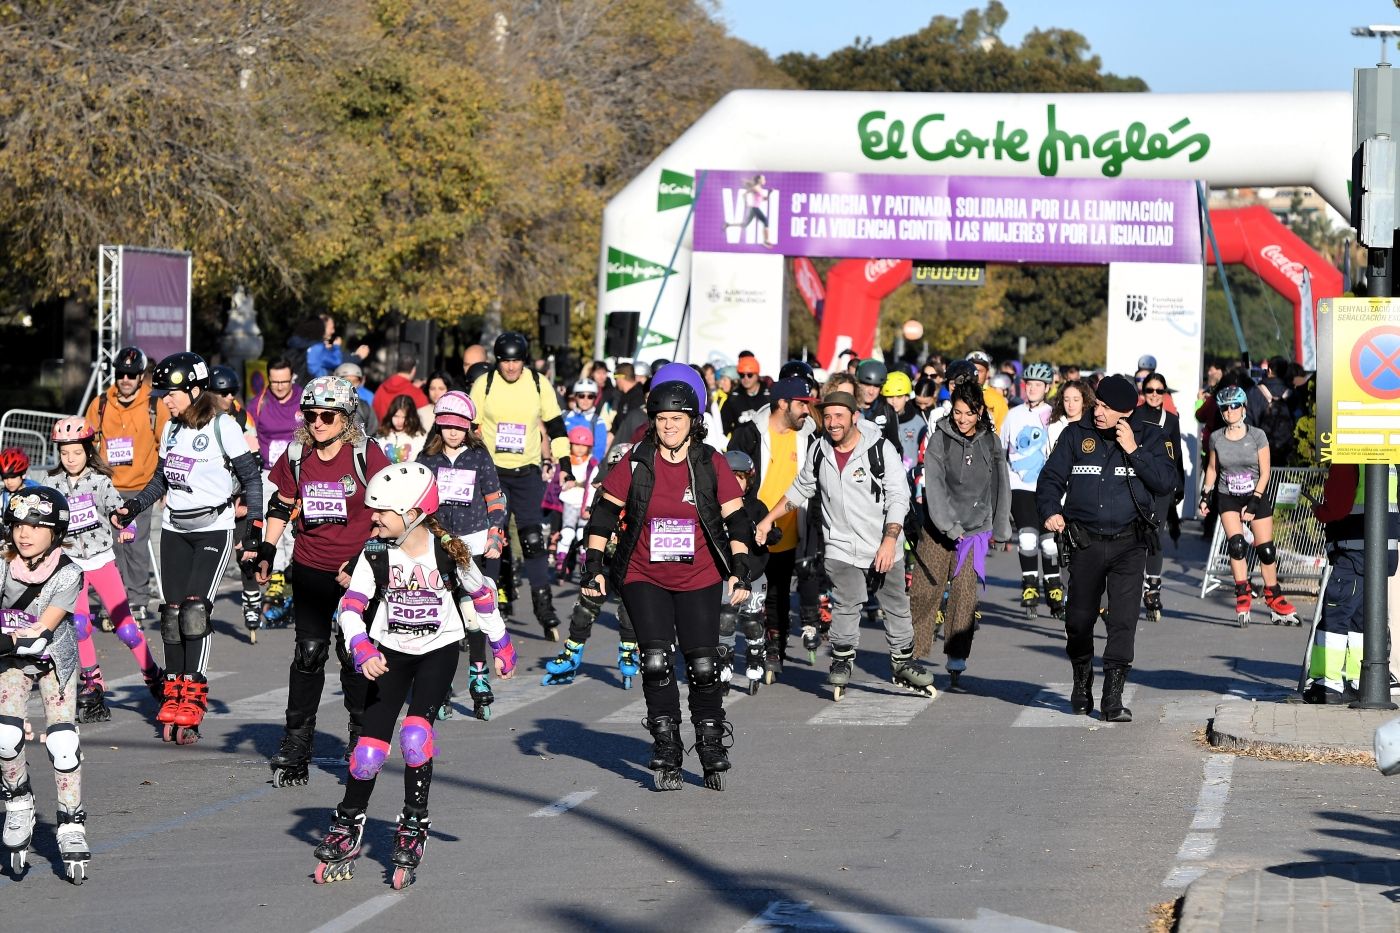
684, 532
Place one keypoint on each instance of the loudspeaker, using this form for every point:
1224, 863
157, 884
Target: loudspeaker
621, 338
554, 321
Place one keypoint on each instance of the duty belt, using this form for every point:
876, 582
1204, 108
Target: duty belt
1114, 536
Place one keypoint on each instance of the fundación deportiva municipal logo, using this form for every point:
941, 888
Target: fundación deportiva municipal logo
1136, 308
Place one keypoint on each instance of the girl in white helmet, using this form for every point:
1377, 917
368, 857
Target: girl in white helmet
409, 603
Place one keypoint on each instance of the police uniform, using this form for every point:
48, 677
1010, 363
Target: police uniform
1106, 495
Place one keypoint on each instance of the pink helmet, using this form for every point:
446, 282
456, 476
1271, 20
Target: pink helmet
72, 430
581, 435
455, 410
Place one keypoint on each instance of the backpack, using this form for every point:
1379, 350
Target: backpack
491, 375
173, 428
377, 553
1277, 423
102, 411
296, 452
913, 519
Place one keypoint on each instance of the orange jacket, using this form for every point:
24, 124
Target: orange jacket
131, 419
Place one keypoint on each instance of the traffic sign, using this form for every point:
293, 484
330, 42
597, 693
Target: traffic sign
1358, 380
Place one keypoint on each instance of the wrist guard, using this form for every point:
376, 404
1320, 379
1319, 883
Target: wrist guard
505, 651
593, 565
743, 568
363, 650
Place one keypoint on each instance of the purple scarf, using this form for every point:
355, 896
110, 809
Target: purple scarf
977, 546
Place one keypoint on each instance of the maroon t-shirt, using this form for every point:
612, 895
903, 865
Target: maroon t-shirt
671, 530
334, 523
841, 457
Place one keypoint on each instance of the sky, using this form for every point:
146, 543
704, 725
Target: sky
1181, 46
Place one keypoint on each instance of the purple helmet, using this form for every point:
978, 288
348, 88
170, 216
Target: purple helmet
681, 372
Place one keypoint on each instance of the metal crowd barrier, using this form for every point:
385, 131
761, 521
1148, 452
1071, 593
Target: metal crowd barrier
1298, 536
30, 431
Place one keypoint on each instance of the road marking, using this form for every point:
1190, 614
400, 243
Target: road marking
511, 696
636, 711
566, 803
269, 706
799, 915
363, 913
865, 704
1050, 709
1200, 843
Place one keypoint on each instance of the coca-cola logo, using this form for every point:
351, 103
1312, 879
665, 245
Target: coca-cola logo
1293, 271
875, 268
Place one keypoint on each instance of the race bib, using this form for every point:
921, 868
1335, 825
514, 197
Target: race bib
510, 438
177, 472
14, 620
82, 513
414, 613
275, 450
121, 451
673, 540
1239, 484
323, 503
456, 485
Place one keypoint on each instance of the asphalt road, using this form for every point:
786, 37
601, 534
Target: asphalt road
992, 809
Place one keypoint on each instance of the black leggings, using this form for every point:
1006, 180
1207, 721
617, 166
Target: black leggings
317, 596
191, 565
428, 676
524, 493
662, 618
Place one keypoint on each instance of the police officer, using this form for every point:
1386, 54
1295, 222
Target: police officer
1108, 474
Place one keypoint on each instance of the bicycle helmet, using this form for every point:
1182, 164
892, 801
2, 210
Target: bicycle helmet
1000, 381
130, 361
1039, 372
13, 462
871, 373
581, 435
680, 372
182, 371
897, 384
980, 356
739, 461
72, 430
641, 370
511, 346
400, 487
585, 387
475, 371
223, 379
42, 507
1230, 395
673, 397
331, 392
796, 368
454, 410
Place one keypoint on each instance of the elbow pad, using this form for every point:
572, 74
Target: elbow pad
740, 528
603, 519
554, 427
279, 509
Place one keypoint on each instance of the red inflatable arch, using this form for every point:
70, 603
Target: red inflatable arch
1255, 237
854, 290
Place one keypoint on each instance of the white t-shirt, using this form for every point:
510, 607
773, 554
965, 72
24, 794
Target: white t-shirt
196, 474
1026, 439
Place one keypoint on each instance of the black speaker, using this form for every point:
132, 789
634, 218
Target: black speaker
621, 338
554, 321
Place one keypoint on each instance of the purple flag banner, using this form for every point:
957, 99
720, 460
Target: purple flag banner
155, 301
972, 218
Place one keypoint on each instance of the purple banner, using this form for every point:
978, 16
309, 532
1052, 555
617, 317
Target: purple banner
155, 301
974, 218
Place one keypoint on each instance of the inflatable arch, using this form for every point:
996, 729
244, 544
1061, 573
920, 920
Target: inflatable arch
1226, 140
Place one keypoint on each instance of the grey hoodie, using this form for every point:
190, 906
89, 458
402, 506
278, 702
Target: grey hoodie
853, 519
966, 489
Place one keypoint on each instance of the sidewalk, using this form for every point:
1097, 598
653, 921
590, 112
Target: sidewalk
1323, 895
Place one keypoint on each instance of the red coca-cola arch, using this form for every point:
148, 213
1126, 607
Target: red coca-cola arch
854, 290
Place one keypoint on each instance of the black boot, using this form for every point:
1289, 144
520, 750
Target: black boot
543, 601
1113, 708
714, 754
666, 752
1081, 698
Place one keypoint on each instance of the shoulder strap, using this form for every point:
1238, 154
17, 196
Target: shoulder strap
490, 377
31, 593
151, 410
295, 451
877, 459
377, 554
101, 410
447, 570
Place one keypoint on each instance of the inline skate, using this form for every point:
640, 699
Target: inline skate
1152, 599
277, 601
92, 703
955, 667
1030, 594
910, 674
543, 601
811, 633
73, 844
667, 753
410, 839
252, 614
19, 824
338, 851
1281, 610
291, 766
629, 663
1055, 596
774, 653
1243, 598
563, 667
479, 686
183, 727
710, 747
842, 667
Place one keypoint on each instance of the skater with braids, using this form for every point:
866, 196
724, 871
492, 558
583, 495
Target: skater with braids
1237, 475
472, 508
322, 475
38, 592
410, 601
203, 458
685, 534
85, 480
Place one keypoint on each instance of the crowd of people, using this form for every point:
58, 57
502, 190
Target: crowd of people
394, 526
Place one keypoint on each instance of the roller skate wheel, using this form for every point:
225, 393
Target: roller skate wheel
769, 677
953, 677
76, 871
626, 682
19, 859
252, 636
167, 732
811, 656
552, 634
401, 878
714, 780
186, 736
1242, 621
668, 780
483, 713
753, 686
837, 693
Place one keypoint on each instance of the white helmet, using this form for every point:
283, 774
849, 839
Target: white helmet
1000, 381
640, 369
585, 386
333, 393
400, 487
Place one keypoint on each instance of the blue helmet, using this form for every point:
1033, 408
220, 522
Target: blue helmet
1230, 395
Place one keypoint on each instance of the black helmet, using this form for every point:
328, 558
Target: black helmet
130, 361
739, 461
475, 371
797, 368
180, 371
871, 373
673, 396
960, 371
511, 346
223, 379
42, 507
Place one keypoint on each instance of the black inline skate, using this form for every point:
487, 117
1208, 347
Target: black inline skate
410, 839
1030, 594
667, 753
338, 851
842, 667
291, 766
1152, 599
92, 702
710, 747
252, 614
1055, 596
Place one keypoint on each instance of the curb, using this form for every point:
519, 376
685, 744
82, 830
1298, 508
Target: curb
1203, 903
1232, 729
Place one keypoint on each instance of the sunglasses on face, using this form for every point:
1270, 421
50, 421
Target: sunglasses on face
1154, 391
1232, 406
227, 393
326, 417
748, 375
586, 395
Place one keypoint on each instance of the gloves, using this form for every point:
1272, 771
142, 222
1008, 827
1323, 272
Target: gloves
744, 568
267, 553
593, 565
495, 538
33, 646
255, 534
132, 510
504, 650
363, 650
1254, 504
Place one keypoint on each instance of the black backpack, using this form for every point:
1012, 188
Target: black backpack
913, 519
377, 553
1277, 423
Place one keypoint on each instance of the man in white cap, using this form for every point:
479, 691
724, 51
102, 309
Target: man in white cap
352, 373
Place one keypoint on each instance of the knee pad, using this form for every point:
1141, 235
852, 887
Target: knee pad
531, 543
752, 626
657, 664
309, 656
170, 623
82, 626
416, 741
367, 758
1028, 540
1048, 548
728, 621
11, 737
194, 617
702, 667
130, 634
1266, 552
1236, 547
61, 740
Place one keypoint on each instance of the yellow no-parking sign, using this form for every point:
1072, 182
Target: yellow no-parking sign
1358, 380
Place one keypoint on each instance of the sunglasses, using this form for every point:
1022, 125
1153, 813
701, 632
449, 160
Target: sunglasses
227, 393
1232, 406
748, 375
327, 417
1154, 391
585, 395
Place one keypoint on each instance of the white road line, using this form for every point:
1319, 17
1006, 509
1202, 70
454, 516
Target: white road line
1050, 709
863, 706
1200, 842
800, 915
511, 695
271, 705
636, 711
361, 914
566, 803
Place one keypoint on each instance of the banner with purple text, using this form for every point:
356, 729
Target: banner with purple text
155, 301
973, 218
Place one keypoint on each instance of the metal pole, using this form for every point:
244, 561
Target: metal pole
1220, 268
666, 276
1375, 651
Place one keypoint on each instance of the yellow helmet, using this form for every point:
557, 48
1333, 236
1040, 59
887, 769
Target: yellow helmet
897, 384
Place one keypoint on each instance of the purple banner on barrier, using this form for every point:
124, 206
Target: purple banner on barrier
155, 301
975, 218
